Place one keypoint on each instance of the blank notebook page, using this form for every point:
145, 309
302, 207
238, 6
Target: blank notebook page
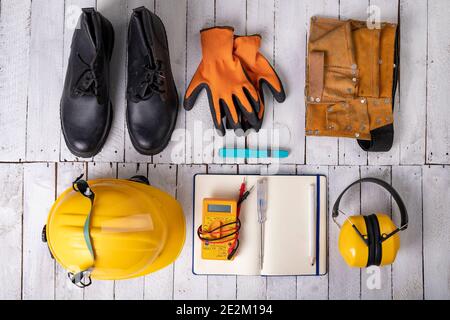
287, 238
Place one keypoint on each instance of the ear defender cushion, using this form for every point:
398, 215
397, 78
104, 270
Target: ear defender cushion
370, 237
375, 252
377, 239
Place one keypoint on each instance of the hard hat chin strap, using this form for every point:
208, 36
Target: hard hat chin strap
80, 278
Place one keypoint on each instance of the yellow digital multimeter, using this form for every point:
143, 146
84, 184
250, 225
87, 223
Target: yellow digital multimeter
217, 213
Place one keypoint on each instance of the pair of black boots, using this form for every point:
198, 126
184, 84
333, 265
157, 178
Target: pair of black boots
152, 99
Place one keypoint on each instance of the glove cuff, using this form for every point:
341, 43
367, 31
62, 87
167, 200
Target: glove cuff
217, 43
247, 47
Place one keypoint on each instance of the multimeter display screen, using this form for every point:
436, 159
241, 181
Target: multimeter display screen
219, 208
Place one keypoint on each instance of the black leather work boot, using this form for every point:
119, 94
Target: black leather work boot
86, 110
151, 93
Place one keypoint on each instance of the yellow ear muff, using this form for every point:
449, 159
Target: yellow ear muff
389, 247
359, 254
370, 240
352, 248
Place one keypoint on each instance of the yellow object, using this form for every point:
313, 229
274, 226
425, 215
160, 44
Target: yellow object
135, 230
353, 249
218, 213
372, 240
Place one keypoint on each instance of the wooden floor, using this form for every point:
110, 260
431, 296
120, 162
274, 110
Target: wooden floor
35, 165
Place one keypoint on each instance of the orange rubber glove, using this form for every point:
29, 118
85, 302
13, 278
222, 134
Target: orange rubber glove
259, 70
230, 92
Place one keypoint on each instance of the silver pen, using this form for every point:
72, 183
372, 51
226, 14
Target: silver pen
262, 210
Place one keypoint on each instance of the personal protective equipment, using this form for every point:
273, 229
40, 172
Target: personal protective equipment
259, 70
370, 240
86, 110
114, 229
229, 90
351, 81
152, 98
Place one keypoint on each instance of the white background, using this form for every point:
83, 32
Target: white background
35, 165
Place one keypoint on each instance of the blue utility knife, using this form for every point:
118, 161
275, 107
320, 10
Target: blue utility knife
252, 154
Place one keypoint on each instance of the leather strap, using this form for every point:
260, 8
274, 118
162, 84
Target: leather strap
316, 74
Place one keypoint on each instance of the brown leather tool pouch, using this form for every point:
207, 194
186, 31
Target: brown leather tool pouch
350, 80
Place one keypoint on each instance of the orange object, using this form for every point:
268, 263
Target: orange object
230, 92
350, 82
258, 69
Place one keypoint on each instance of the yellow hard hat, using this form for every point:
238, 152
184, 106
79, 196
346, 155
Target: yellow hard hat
114, 229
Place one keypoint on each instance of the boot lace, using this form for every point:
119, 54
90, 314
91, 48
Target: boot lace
152, 81
88, 83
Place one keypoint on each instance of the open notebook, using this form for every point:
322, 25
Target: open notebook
288, 233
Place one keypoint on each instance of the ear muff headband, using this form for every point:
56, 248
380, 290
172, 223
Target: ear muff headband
393, 193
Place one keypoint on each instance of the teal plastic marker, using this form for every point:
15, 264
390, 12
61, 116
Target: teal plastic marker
252, 154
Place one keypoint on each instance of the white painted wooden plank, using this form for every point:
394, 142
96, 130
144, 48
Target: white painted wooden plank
251, 287
375, 199
14, 70
116, 13
349, 151
100, 290
38, 279
72, 14
290, 49
66, 173
351, 9
413, 75
312, 288
282, 288
436, 238
188, 286
321, 150
45, 80
388, 13
11, 210
344, 282
159, 286
222, 287
173, 14
133, 4
261, 20
407, 271
199, 124
230, 13
438, 126
131, 154
132, 289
